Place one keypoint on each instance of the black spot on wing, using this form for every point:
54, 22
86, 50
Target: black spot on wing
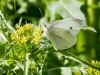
70, 27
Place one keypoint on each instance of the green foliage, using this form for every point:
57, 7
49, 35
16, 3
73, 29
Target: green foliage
24, 50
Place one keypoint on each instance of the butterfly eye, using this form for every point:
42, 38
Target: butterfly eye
44, 25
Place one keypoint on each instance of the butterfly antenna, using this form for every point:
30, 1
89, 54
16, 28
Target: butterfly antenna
40, 12
42, 17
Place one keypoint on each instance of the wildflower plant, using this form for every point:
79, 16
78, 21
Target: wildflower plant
26, 41
92, 71
26, 35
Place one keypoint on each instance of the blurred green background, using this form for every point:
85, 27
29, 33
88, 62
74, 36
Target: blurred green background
88, 42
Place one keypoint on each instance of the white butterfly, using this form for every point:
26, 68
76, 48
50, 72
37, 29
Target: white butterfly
62, 33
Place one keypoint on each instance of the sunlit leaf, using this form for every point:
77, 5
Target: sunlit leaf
65, 9
3, 62
19, 65
89, 28
66, 71
2, 49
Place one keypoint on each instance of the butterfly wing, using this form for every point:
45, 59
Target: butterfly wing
72, 25
62, 33
61, 38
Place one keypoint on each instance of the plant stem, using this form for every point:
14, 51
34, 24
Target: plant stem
78, 59
74, 57
26, 63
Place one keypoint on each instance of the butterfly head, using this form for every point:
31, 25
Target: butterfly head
45, 27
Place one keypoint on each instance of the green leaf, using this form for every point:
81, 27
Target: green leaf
66, 71
89, 28
2, 49
65, 8
19, 65
5, 22
26, 64
3, 62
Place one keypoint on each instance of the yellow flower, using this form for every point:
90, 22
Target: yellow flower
37, 35
18, 26
25, 33
18, 40
37, 39
24, 39
28, 26
37, 31
20, 31
13, 35
92, 71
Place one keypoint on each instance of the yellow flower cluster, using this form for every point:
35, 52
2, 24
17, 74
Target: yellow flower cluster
37, 35
92, 71
25, 33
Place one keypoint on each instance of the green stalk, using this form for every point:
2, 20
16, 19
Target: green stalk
75, 58
26, 63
